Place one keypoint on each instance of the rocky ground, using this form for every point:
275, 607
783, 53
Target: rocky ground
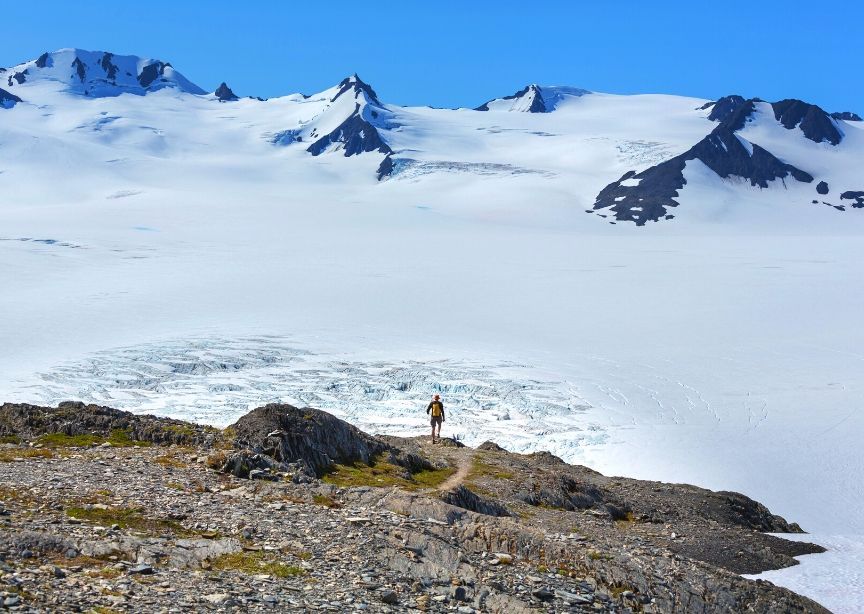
293, 509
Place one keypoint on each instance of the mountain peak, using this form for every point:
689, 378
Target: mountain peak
224, 93
533, 98
356, 85
100, 73
847, 116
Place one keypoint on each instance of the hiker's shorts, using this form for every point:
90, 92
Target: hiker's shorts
437, 420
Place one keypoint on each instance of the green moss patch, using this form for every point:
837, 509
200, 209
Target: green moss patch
9, 455
384, 474
127, 518
254, 563
118, 438
483, 469
325, 500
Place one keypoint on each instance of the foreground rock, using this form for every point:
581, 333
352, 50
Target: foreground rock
351, 522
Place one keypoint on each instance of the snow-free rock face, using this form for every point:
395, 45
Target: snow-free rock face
224, 94
7, 100
650, 194
816, 124
847, 116
724, 107
99, 73
533, 99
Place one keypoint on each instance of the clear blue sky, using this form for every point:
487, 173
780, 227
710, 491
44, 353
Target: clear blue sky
462, 53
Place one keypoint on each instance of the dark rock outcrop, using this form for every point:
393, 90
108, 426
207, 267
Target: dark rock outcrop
857, 196
723, 107
29, 422
386, 168
224, 93
847, 116
80, 69
466, 499
815, 123
44, 60
314, 438
356, 136
17, 77
8, 100
151, 72
490, 446
108, 66
822, 187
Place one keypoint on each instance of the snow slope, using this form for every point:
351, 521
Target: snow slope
172, 252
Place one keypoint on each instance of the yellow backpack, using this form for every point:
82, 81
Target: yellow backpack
437, 408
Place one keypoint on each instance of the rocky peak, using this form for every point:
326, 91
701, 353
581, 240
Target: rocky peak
224, 93
533, 98
350, 121
847, 116
723, 107
529, 99
355, 85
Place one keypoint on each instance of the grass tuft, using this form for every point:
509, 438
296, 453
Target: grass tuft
128, 518
118, 438
385, 474
9, 455
256, 562
326, 501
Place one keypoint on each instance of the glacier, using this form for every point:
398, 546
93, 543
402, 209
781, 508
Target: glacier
159, 252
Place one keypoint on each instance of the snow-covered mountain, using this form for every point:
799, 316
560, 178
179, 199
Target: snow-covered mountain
623, 158
96, 73
534, 99
347, 118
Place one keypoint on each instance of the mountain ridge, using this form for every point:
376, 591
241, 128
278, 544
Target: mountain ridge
349, 119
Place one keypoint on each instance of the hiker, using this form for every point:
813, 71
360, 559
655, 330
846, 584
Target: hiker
436, 410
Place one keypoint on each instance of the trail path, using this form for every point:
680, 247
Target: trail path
463, 467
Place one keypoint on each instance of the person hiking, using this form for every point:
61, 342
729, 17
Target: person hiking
436, 410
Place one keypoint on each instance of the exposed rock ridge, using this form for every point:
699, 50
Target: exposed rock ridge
359, 132
520, 533
649, 195
815, 123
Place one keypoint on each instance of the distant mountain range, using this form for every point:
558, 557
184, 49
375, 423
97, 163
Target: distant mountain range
765, 145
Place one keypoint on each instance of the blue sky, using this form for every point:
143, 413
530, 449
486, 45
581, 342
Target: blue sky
447, 53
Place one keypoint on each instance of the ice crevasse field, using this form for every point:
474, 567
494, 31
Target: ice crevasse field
170, 253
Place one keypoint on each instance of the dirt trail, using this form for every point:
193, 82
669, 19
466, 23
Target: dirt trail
463, 467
